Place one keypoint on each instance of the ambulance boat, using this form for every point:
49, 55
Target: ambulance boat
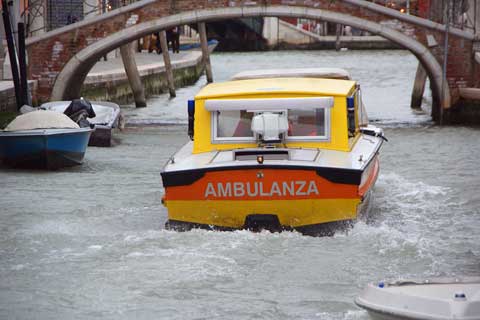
276, 150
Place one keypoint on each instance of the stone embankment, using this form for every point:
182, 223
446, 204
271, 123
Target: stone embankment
107, 79
283, 35
7, 95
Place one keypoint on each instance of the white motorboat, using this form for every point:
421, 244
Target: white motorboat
107, 117
439, 299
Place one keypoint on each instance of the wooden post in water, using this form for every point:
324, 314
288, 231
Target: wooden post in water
168, 64
128, 57
418, 87
205, 53
338, 34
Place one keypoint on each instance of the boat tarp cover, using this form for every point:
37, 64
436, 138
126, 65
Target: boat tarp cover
105, 112
41, 119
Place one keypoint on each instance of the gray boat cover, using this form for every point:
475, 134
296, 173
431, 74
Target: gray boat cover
329, 73
41, 119
106, 112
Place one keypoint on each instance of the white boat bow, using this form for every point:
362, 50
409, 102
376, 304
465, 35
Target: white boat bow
443, 298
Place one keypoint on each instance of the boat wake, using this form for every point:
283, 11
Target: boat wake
412, 221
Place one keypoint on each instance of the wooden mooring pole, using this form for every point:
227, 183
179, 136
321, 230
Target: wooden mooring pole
205, 53
168, 64
338, 44
418, 87
128, 57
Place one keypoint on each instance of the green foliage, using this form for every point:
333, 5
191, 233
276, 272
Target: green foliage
6, 118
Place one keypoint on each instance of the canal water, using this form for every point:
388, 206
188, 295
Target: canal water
88, 242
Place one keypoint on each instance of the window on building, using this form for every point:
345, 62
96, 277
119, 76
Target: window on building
61, 12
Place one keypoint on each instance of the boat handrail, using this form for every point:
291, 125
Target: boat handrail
269, 104
435, 281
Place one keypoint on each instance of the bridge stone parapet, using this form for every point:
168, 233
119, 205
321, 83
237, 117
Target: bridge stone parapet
67, 54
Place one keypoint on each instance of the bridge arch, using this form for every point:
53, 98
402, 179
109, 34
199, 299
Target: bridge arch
70, 80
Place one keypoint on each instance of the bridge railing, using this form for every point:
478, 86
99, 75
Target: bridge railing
41, 16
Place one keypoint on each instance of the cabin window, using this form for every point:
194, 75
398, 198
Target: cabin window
304, 125
233, 125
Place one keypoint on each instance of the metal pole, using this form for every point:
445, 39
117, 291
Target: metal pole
12, 53
445, 59
476, 18
23, 64
14, 19
278, 33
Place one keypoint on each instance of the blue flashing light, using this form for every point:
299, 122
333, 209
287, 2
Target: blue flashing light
191, 118
350, 102
191, 106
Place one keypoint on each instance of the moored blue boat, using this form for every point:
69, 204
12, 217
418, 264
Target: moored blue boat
44, 148
43, 139
190, 46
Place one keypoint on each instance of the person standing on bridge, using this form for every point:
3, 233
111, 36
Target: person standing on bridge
176, 40
173, 39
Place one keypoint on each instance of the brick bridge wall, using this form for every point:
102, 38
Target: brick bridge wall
49, 53
462, 70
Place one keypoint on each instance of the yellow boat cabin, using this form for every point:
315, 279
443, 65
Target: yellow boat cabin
310, 108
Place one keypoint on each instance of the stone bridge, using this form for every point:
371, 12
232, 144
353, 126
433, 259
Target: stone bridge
61, 59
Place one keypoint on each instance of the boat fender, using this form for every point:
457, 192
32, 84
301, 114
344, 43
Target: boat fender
373, 133
460, 296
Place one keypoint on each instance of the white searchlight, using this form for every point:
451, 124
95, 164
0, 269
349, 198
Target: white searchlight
270, 127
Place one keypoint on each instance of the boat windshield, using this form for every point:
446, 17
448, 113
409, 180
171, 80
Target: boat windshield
306, 123
235, 125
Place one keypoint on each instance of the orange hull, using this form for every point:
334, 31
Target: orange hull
295, 196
